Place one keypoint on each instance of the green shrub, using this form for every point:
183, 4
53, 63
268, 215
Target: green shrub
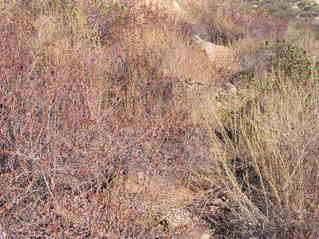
291, 60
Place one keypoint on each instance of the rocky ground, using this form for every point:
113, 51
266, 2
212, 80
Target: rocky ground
289, 9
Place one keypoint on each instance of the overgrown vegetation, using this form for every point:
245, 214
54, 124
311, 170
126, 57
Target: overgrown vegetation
94, 92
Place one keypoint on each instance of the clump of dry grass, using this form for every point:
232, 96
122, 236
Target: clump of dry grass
270, 167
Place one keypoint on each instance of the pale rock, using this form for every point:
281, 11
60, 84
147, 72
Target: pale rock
167, 201
222, 56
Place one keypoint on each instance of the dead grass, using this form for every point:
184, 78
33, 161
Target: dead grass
90, 94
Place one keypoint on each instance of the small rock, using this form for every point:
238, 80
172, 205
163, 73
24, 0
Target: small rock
205, 236
178, 218
208, 33
222, 56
